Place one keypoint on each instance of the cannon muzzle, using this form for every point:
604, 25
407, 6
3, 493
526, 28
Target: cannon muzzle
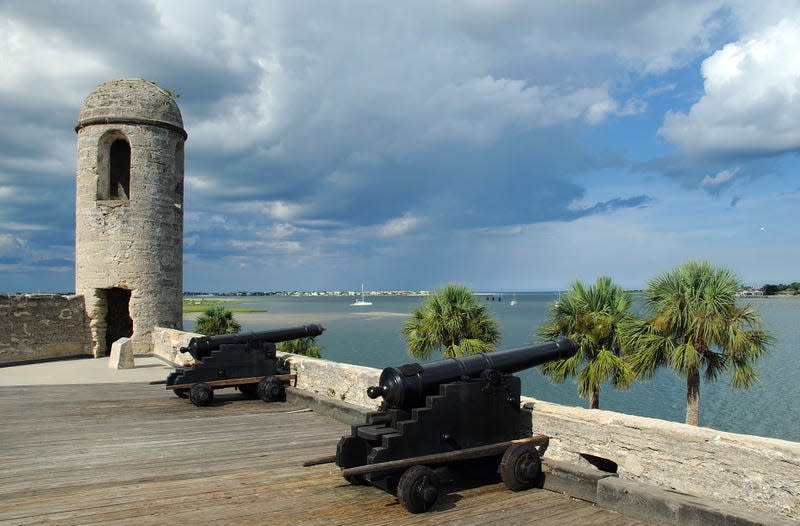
202, 346
407, 386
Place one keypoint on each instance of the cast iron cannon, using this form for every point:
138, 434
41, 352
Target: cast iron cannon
449, 411
247, 361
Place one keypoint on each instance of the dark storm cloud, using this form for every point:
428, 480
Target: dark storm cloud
612, 205
329, 140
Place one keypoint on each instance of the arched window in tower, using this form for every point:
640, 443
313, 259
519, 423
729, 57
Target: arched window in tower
119, 170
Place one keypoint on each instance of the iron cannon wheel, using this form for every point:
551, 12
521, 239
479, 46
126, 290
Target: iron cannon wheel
418, 489
270, 389
201, 394
520, 467
248, 390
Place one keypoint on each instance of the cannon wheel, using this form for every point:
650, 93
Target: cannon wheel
201, 394
418, 489
520, 467
248, 390
270, 389
181, 393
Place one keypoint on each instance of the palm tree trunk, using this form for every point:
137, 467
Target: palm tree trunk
693, 397
594, 400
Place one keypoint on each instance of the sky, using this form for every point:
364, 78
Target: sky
503, 145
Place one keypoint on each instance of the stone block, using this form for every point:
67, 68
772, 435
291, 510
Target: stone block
660, 506
336, 409
167, 343
121, 354
637, 500
573, 480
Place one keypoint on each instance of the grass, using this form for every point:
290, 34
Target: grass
203, 304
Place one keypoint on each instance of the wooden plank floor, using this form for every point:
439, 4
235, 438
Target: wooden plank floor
136, 454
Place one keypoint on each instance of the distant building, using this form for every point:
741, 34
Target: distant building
751, 292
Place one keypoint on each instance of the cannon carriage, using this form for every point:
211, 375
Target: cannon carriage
246, 361
446, 413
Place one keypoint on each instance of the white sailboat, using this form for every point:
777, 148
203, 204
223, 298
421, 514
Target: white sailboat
514, 301
361, 302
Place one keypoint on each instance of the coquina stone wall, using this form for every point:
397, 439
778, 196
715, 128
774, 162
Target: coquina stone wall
41, 327
748, 472
743, 471
167, 343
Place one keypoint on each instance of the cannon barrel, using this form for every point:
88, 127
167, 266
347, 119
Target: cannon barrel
408, 385
202, 346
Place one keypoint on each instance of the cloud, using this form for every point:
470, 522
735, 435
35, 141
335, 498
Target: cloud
612, 205
720, 178
751, 102
331, 140
400, 225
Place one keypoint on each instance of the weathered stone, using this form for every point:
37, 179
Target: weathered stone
42, 327
571, 479
323, 405
641, 502
121, 354
129, 242
660, 506
742, 470
168, 342
344, 382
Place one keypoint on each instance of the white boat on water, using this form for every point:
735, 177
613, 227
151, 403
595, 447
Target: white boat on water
361, 302
514, 301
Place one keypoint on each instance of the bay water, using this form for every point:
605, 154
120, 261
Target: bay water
371, 336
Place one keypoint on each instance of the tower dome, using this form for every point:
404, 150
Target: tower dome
130, 101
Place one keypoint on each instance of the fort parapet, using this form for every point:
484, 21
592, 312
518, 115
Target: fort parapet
42, 327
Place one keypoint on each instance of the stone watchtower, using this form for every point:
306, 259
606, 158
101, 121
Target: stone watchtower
129, 212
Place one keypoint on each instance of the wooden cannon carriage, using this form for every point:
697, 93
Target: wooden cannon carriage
445, 413
246, 361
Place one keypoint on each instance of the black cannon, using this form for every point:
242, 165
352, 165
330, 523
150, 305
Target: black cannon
247, 361
444, 412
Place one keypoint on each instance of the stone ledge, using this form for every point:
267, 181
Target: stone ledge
341, 411
573, 480
670, 508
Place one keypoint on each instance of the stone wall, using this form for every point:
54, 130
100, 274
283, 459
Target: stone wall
742, 471
167, 344
41, 327
337, 381
750, 472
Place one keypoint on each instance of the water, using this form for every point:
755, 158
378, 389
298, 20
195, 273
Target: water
371, 336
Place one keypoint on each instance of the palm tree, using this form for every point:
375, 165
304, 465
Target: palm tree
304, 346
217, 320
593, 316
452, 320
696, 326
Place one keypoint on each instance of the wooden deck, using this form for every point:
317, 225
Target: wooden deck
136, 454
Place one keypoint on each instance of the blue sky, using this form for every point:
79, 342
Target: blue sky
503, 145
